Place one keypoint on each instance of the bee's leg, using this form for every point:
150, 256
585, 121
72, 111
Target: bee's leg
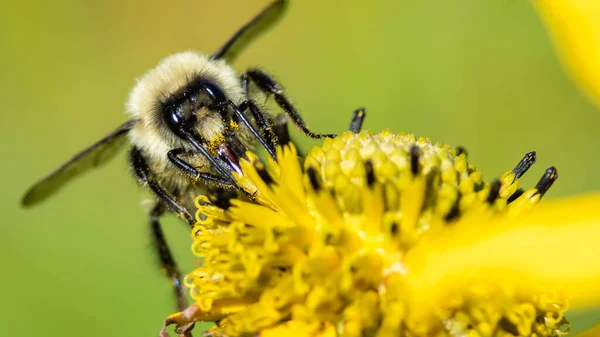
167, 261
144, 176
268, 85
238, 112
357, 120
190, 171
264, 122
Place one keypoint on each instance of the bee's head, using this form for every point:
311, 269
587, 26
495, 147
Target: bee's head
183, 103
183, 112
199, 114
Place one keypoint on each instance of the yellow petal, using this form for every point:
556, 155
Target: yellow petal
299, 329
257, 215
556, 246
574, 26
219, 309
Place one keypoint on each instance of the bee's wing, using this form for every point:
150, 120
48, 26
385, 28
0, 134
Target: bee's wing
92, 157
258, 25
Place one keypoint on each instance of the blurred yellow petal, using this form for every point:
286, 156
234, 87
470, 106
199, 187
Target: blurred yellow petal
557, 246
575, 28
299, 329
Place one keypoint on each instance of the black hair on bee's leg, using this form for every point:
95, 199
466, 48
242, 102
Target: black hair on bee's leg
144, 177
268, 85
253, 130
190, 171
182, 165
166, 259
358, 117
264, 122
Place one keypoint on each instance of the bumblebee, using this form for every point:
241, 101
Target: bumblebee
192, 118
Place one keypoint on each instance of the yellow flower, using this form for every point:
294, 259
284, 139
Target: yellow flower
386, 235
575, 28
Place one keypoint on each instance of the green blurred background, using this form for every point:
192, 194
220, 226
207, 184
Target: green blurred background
481, 74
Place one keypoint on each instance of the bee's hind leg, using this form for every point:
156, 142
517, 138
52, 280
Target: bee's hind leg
165, 201
166, 259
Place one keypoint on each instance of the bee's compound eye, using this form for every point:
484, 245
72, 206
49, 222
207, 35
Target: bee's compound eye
174, 121
214, 91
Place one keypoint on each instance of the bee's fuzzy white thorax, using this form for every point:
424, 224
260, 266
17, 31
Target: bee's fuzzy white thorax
170, 75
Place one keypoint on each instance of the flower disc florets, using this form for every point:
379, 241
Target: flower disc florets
317, 245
